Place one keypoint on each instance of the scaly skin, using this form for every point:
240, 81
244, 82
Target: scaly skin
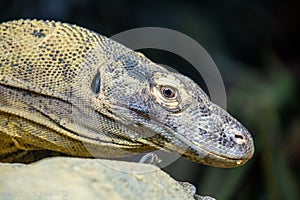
67, 90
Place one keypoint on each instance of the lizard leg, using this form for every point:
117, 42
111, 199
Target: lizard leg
190, 188
147, 158
150, 158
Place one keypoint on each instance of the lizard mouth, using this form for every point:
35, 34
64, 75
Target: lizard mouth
186, 146
229, 162
216, 160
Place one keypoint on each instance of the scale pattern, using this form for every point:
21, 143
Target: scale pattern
66, 90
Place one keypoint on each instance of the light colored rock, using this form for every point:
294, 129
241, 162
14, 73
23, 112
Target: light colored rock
76, 178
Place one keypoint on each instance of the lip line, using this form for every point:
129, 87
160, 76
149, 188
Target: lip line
230, 158
222, 158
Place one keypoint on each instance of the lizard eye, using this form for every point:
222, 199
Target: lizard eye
166, 96
168, 92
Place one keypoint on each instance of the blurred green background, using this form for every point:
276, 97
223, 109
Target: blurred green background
255, 45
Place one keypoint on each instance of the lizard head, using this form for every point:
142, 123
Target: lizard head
168, 110
209, 134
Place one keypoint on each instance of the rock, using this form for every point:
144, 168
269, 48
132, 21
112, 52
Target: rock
77, 178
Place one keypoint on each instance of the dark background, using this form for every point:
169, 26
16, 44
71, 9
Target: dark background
255, 45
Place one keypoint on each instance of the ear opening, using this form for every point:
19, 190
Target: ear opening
96, 82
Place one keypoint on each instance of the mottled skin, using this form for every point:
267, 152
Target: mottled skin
65, 89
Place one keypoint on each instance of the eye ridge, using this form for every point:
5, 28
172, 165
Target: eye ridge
168, 92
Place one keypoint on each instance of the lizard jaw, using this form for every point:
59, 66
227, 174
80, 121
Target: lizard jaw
215, 160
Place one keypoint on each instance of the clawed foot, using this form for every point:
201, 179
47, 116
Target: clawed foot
150, 158
190, 188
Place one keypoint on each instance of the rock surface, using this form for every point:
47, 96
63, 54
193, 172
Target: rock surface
76, 178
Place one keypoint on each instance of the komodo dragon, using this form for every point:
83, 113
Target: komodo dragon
67, 90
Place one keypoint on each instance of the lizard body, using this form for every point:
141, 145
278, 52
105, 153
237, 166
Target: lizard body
65, 89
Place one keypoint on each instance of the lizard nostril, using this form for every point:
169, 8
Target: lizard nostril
239, 138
